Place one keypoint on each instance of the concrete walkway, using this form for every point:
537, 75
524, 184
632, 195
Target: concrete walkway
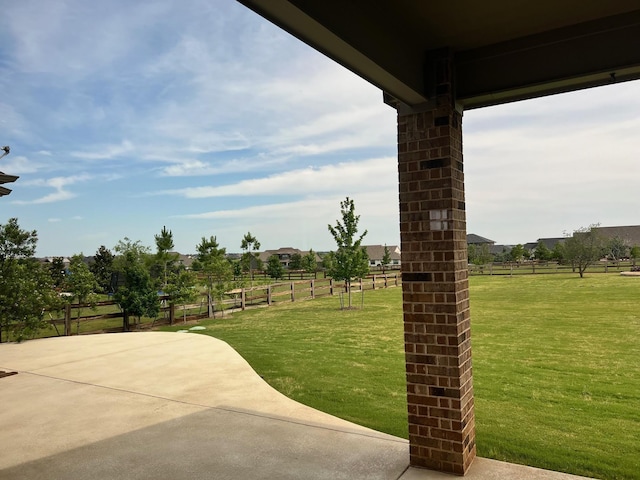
176, 406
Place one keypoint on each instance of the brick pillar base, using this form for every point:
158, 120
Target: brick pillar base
435, 284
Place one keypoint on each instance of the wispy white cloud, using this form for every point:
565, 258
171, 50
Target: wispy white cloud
364, 175
58, 184
18, 165
105, 152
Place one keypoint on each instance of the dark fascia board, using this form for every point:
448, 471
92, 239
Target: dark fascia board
586, 55
589, 54
4, 191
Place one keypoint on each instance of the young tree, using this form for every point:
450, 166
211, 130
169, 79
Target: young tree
102, 268
559, 252
386, 258
309, 263
136, 295
249, 245
616, 248
82, 284
164, 258
295, 262
542, 252
517, 253
236, 266
26, 288
181, 289
350, 260
274, 267
584, 247
212, 262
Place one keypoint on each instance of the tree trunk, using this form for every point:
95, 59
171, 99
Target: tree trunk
125, 321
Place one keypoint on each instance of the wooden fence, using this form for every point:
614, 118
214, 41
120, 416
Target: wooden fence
535, 267
239, 299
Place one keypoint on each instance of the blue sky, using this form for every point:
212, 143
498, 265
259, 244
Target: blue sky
198, 115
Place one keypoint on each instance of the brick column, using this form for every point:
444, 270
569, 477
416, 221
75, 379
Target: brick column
435, 283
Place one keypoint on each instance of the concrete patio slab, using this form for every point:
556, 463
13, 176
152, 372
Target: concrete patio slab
161, 405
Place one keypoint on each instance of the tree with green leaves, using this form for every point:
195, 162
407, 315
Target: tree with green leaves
181, 289
517, 253
102, 268
584, 247
212, 262
135, 293
616, 248
542, 252
250, 245
26, 288
57, 271
386, 258
479, 254
350, 260
82, 284
309, 263
295, 262
274, 267
559, 252
164, 258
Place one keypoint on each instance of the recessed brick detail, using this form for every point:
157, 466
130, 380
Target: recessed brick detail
435, 287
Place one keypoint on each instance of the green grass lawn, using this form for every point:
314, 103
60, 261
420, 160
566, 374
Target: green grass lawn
556, 366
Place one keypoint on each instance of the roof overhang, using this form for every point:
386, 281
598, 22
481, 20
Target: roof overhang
503, 51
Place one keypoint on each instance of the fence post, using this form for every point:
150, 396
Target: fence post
269, 295
374, 281
172, 313
330, 286
243, 299
67, 319
396, 278
293, 292
210, 312
313, 290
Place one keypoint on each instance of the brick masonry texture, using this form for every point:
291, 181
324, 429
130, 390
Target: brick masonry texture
435, 285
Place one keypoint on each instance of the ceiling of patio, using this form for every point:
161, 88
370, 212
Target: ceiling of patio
503, 50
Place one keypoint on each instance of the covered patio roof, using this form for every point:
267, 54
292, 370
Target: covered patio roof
503, 51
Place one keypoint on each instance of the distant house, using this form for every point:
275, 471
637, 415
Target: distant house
185, 260
473, 239
495, 250
376, 253
550, 243
49, 260
630, 235
285, 254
